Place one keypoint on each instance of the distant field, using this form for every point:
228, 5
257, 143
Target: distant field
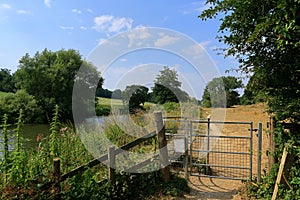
109, 102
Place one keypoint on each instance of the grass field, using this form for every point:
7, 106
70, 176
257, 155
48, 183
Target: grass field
109, 102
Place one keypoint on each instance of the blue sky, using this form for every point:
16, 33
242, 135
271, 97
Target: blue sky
29, 26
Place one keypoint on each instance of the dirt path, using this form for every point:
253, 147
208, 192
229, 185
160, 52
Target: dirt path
213, 188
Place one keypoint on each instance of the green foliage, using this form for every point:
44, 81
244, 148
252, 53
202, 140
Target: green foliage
49, 77
11, 104
171, 107
54, 137
7, 83
25, 171
265, 38
167, 87
220, 92
134, 96
102, 110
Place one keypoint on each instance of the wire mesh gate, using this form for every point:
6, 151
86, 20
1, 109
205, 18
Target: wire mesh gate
210, 149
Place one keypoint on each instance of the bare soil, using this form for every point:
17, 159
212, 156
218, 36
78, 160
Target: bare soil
214, 188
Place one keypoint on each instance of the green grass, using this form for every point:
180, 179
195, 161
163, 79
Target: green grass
109, 102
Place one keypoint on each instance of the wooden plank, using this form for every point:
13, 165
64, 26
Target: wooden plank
279, 175
112, 164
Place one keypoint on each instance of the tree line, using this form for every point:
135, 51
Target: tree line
47, 78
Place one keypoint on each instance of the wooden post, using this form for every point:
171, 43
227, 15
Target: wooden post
162, 146
279, 175
56, 167
57, 176
272, 144
112, 163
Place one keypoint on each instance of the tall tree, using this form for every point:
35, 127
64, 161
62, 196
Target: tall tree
167, 87
134, 96
264, 36
49, 77
217, 88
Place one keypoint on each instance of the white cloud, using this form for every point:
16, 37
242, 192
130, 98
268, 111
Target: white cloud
47, 3
112, 24
66, 27
83, 28
138, 36
24, 12
165, 40
76, 11
89, 10
5, 6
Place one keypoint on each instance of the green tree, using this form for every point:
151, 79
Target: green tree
134, 96
264, 36
167, 87
7, 83
11, 103
217, 88
49, 77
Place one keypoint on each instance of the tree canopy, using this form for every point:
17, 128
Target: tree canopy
221, 87
264, 36
134, 96
167, 87
49, 77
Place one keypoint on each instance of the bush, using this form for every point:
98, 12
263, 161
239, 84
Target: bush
171, 106
11, 103
103, 110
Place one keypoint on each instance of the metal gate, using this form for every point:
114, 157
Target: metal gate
213, 151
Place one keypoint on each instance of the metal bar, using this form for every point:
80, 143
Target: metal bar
208, 138
224, 152
251, 149
221, 166
219, 122
222, 136
259, 152
220, 177
186, 161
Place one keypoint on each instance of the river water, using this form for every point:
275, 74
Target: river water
29, 133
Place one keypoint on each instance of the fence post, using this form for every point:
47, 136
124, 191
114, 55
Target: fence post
207, 168
162, 146
112, 163
57, 175
259, 152
56, 167
271, 141
186, 156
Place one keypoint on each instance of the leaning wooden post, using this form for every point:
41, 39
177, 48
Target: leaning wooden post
162, 146
112, 163
280, 172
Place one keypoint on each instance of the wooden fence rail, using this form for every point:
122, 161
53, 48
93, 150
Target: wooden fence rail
112, 152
